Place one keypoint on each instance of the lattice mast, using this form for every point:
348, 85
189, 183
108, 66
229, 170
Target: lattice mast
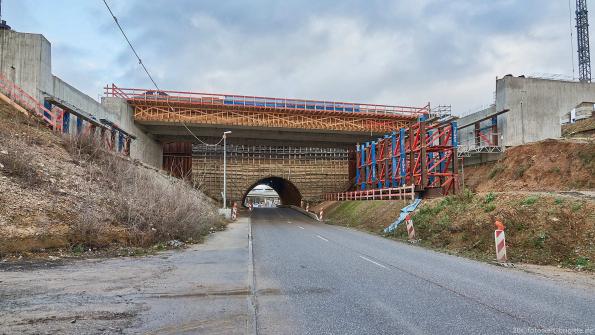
582, 35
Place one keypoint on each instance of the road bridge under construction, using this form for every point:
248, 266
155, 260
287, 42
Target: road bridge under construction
303, 149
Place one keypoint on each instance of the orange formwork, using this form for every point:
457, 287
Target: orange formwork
253, 111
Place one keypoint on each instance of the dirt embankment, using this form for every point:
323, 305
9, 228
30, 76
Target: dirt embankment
550, 165
65, 195
527, 190
372, 216
540, 228
582, 128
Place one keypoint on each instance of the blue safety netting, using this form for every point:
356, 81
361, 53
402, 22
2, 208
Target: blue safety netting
404, 212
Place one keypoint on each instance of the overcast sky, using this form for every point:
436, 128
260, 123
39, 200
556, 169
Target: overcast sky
405, 52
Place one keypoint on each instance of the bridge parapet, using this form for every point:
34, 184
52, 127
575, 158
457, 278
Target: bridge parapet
170, 107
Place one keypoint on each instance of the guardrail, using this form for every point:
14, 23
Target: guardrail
29, 103
483, 143
395, 193
171, 97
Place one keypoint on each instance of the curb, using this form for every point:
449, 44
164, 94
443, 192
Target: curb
303, 211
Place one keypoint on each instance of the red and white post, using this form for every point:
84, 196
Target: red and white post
500, 242
250, 206
234, 211
410, 228
320, 215
307, 207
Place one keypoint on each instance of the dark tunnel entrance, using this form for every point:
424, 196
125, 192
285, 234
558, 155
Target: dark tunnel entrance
288, 193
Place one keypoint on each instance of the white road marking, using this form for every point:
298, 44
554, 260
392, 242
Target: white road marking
301, 227
371, 261
322, 238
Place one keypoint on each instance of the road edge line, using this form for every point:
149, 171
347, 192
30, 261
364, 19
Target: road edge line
251, 324
373, 262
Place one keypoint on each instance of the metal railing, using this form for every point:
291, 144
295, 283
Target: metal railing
26, 101
479, 144
395, 193
180, 97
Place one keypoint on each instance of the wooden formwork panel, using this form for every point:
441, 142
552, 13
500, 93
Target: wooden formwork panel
313, 178
268, 119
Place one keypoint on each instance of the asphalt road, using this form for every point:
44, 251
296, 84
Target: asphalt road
293, 276
311, 278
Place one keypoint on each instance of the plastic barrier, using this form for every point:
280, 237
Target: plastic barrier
234, 211
500, 242
410, 228
404, 213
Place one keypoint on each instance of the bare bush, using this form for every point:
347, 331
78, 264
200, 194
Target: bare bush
91, 229
84, 147
19, 165
157, 207
152, 206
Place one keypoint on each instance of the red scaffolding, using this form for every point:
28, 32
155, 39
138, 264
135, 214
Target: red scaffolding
423, 155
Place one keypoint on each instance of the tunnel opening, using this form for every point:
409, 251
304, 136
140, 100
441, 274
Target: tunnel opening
288, 193
262, 196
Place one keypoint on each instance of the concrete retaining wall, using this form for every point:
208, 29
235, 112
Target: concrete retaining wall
144, 148
26, 58
536, 106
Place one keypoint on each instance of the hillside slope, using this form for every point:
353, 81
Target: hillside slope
67, 194
550, 165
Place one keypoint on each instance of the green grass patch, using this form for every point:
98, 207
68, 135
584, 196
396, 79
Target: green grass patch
489, 208
490, 197
530, 200
584, 263
576, 206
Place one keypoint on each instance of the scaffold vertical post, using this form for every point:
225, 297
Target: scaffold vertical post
393, 172
403, 157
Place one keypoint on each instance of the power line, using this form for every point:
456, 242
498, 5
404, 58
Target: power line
148, 73
130, 44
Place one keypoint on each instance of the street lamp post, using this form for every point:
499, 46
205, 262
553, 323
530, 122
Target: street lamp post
225, 168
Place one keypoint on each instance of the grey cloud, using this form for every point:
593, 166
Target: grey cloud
399, 52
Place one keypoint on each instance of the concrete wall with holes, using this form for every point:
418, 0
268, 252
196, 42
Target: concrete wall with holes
26, 60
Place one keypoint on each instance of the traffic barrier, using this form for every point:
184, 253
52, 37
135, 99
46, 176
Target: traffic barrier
410, 228
307, 207
234, 211
250, 206
500, 242
404, 214
320, 215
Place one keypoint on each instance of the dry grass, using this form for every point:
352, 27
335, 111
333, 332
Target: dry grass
84, 148
150, 206
540, 229
17, 164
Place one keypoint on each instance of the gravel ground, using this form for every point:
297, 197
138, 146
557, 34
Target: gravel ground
203, 289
